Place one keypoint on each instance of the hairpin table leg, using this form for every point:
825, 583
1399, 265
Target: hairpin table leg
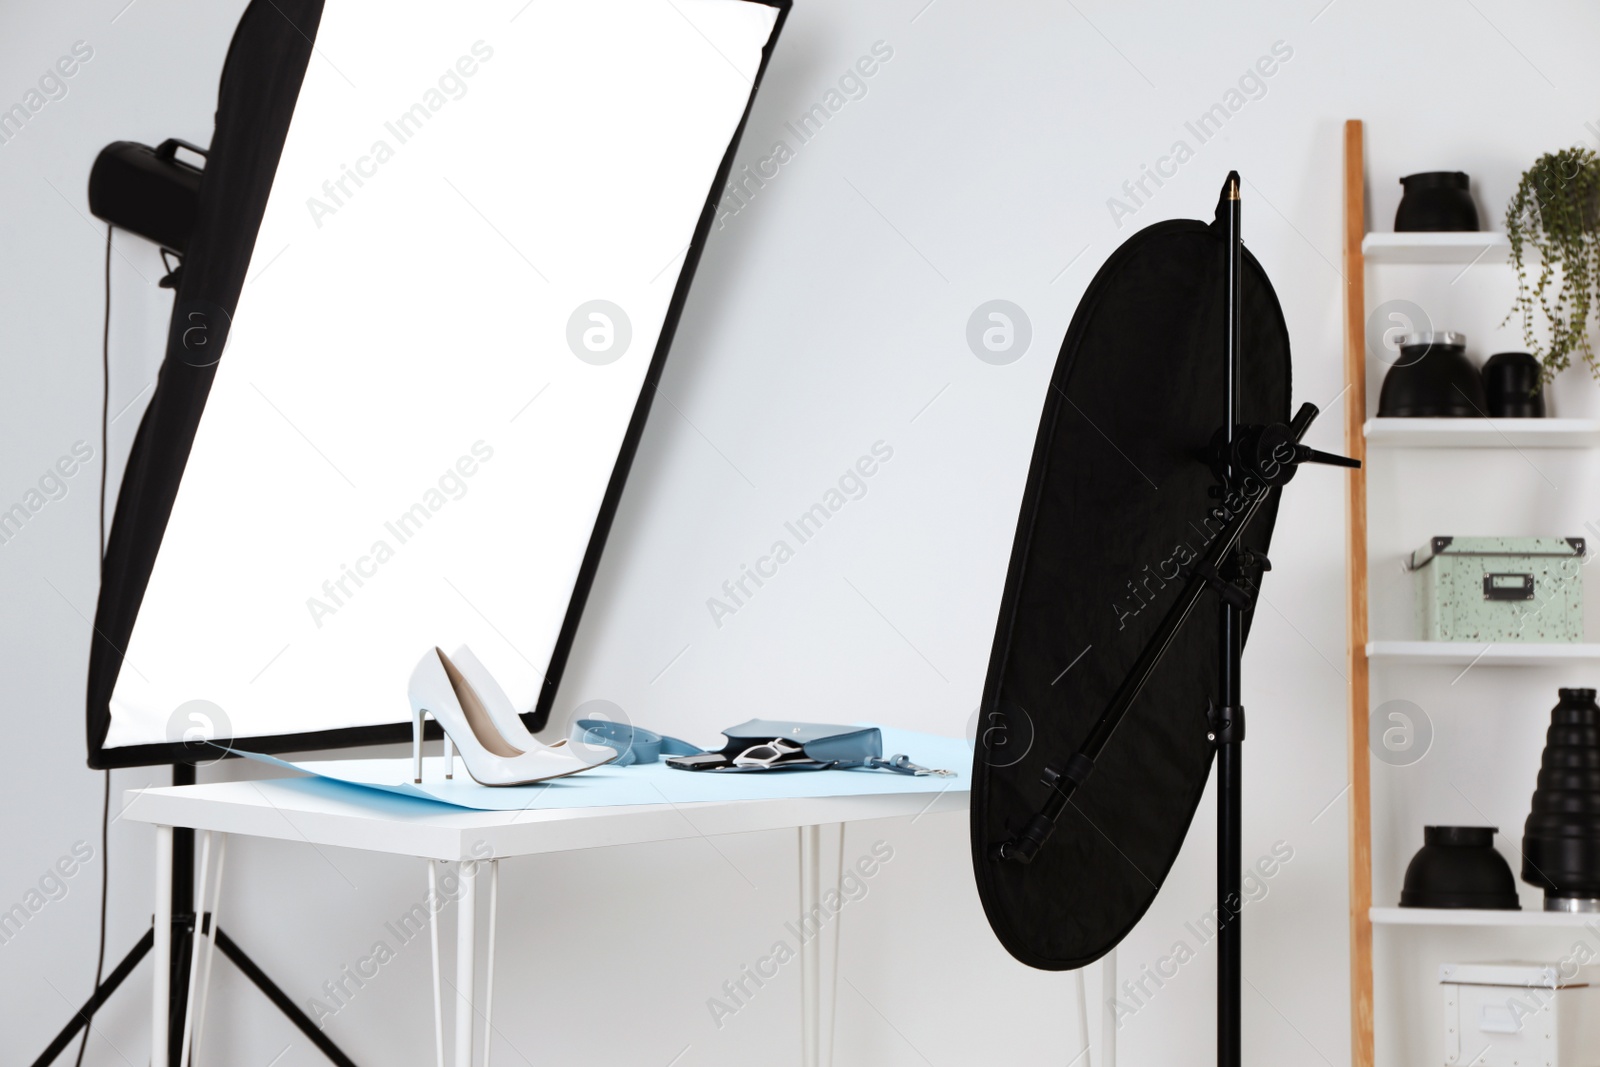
821, 864
162, 964
1108, 1021
433, 939
466, 938
194, 947
488, 982
211, 944
828, 973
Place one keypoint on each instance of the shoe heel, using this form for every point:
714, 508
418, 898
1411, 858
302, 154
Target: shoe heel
449, 758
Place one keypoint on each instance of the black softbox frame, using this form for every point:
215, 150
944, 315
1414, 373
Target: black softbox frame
260, 83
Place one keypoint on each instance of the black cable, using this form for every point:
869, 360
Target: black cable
105, 879
105, 401
105, 803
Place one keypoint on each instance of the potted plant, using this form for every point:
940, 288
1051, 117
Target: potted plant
1555, 215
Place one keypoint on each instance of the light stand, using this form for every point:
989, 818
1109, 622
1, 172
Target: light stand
183, 931
1227, 728
151, 193
1250, 462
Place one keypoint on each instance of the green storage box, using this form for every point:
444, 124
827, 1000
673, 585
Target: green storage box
1499, 589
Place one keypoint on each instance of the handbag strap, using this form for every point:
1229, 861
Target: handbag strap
901, 764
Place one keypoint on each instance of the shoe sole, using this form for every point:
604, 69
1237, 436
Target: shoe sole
548, 777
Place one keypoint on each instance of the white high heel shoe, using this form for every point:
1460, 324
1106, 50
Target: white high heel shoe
495, 702
440, 688
503, 713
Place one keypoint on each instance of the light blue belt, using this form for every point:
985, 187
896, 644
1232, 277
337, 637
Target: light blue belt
634, 744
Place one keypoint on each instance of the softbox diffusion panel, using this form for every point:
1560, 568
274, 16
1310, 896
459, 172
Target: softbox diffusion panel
1117, 503
441, 347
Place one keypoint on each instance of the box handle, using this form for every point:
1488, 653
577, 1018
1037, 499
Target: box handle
1508, 587
1498, 1019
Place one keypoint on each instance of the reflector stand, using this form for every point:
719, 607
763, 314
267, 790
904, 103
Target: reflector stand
1250, 463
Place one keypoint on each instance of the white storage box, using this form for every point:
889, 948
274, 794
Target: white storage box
1521, 1014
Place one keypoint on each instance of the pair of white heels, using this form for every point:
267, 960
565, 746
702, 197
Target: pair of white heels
479, 720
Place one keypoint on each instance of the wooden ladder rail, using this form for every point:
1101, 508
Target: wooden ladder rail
1362, 1041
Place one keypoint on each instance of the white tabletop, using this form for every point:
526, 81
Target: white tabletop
323, 812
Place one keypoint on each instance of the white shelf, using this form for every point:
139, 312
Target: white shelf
1481, 247
1474, 917
1467, 653
1484, 433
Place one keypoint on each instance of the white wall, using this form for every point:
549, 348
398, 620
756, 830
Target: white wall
829, 313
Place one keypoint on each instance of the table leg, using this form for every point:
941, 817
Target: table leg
466, 938
1108, 1021
821, 899
488, 969
194, 947
433, 938
211, 944
161, 979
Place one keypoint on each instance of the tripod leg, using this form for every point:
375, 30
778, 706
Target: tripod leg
175, 924
280, 1000
99, 997
183, 934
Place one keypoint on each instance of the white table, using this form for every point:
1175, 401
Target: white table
321, 813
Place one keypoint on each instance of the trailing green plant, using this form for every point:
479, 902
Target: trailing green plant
1555, 215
